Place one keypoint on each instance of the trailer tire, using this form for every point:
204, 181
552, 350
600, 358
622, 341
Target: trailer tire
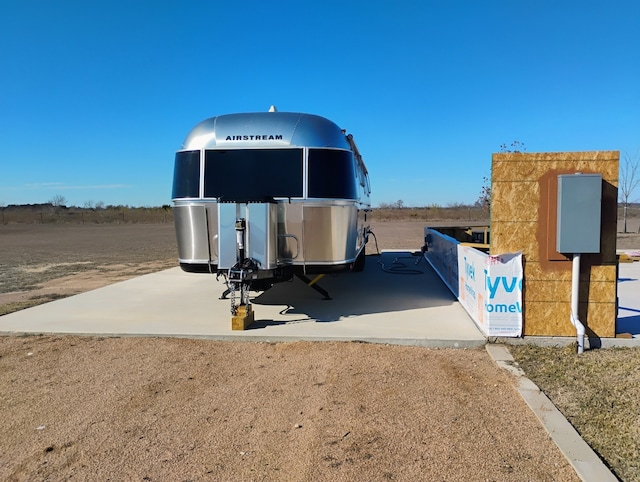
359, 263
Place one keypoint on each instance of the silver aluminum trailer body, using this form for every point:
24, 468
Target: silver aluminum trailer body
286, 192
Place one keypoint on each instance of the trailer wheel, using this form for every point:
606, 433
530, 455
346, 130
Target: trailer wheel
358, 265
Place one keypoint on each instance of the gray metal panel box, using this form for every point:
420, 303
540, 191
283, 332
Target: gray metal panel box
227, 247
579, 212
260, 238
262, 234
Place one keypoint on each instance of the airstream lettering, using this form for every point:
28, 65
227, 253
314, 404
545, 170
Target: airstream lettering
260, 213
264, 137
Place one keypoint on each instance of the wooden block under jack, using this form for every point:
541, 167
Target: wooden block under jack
243, 318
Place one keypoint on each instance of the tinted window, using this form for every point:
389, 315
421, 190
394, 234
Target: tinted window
242, 175
186, 174
331, 174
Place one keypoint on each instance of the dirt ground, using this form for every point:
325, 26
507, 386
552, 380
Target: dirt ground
173, 409
43, 262
92, 408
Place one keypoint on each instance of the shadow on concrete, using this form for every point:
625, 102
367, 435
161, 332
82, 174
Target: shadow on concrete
390, 282
628, 324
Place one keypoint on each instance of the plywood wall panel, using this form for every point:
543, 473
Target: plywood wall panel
598, 291
523, 219
535, 272
514, 201
553, 319
598, 322
547, 319
513, 236
548, 291
599, 273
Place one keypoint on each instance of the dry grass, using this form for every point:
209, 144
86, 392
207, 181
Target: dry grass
43, 262
11, 307
27, 277
598, 392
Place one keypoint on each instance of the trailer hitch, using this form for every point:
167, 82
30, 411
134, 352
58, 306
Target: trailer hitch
239, 279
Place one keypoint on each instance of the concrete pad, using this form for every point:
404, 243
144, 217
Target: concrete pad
629, 299
397, 299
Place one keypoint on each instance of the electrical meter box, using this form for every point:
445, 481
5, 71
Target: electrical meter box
579, 213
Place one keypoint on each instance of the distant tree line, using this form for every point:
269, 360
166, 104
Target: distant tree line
98, 213
399, 204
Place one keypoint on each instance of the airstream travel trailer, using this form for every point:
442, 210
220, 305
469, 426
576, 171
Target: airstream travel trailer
261, 197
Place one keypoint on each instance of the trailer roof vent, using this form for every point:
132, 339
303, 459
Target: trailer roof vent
273, 108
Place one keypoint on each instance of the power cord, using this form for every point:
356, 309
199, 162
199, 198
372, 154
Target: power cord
397, 267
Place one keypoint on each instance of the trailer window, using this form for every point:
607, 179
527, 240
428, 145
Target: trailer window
186, 174
331, 174
242, 175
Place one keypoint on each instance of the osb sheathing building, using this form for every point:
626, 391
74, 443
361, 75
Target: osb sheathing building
523, 218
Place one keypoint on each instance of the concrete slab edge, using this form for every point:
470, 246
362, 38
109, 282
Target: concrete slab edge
242, 336
582, 458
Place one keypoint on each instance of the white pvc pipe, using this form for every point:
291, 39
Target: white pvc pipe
575, 289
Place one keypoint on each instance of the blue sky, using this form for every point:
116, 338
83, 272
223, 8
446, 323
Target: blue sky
96, 96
